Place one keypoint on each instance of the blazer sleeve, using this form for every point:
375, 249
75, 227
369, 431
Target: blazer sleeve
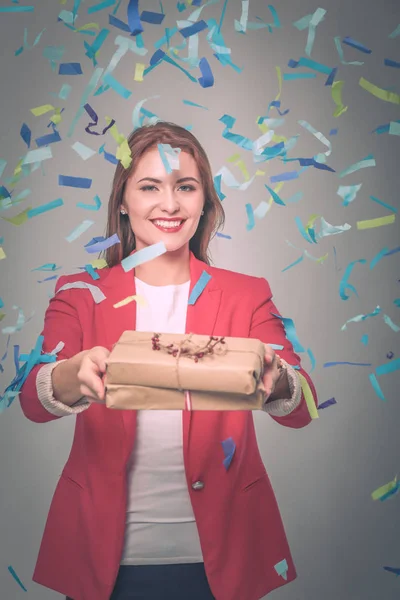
270, 330
61, 324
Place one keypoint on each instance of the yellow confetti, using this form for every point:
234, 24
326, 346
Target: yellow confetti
139, 299
312, 409
279, 73
311, 221
2, 254
139, 68
2, 315
337, 98
42, 110
124, 153
369, 224
99, 263
18, 219
88, 26
379, 92
384, 489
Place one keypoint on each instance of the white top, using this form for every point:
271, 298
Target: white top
160, 523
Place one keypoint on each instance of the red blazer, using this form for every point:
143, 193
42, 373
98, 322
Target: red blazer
240, 527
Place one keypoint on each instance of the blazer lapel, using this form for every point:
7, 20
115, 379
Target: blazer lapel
201, 319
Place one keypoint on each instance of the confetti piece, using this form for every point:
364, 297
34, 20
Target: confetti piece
96, 292
103, 244
384, 489
275, 196
391, 63
389, 355
327, 403
333, 364
152, 17
348, 193
76, 182
70, 69
139, 68
13, 573
84, 226
96, 206
290, 332
392, 208
293, 264
117, 86
337, 98
199, 287
392, 325
134, 23
142, 256
310, 21
241, 25
312, 409
394, 128
369, 224
207, 78
88, 90
169, 157
350, 42
391, 569
250, 217
229, 448
50, 138
379, 92
378, 257
44, 208
344, 285
388, 367
282, 568
10, 9
34, 156
366, 162
340, 52
21, 321
396, 32
100, 6
360, 318
83, 151
137, 298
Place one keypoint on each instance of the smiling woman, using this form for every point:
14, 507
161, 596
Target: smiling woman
145, 196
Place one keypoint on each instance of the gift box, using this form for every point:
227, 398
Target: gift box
184, 372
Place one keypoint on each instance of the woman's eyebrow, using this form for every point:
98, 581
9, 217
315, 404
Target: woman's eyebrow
177, 181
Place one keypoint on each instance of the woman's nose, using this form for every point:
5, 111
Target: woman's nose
169, 199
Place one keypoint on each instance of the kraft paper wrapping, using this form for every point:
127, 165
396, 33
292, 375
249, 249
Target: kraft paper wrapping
140, 378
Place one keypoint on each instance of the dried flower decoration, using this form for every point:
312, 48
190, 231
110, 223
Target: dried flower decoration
195, 352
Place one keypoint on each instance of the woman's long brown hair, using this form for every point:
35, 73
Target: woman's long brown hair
140, 141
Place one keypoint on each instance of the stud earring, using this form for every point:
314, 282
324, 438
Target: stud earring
202, 212
123, 212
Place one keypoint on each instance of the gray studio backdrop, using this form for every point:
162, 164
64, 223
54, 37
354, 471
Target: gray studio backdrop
324, 474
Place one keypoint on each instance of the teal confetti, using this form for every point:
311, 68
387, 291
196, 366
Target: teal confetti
376, 386
199, 287
13, 573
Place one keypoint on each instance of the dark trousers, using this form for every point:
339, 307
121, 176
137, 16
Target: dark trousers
161, 582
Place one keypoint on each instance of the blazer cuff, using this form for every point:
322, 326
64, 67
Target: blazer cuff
284, 406
44, 389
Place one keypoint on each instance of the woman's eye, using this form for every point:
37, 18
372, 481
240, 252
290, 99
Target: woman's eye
189, 188
147, 188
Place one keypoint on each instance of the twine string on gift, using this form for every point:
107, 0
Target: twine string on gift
189, 349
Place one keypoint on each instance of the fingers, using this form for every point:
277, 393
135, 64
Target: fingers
91, 374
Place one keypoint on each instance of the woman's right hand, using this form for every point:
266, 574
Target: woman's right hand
91, 374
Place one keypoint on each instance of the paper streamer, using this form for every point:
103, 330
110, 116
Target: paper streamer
96, 292
229, 448
360, 318
76, 182
385, 489
282, 568
103, 245
379, 92
348, 193
381, 221
84, 226
137, 298
199, 287
142, 256
169, 157
83, 151
344, 285
366, 162
290, 332
312, 409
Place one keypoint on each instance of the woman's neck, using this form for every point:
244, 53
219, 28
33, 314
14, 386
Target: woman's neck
171, 268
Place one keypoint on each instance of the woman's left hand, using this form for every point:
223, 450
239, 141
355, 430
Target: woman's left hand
271, 371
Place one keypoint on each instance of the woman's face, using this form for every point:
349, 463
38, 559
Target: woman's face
152, 194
